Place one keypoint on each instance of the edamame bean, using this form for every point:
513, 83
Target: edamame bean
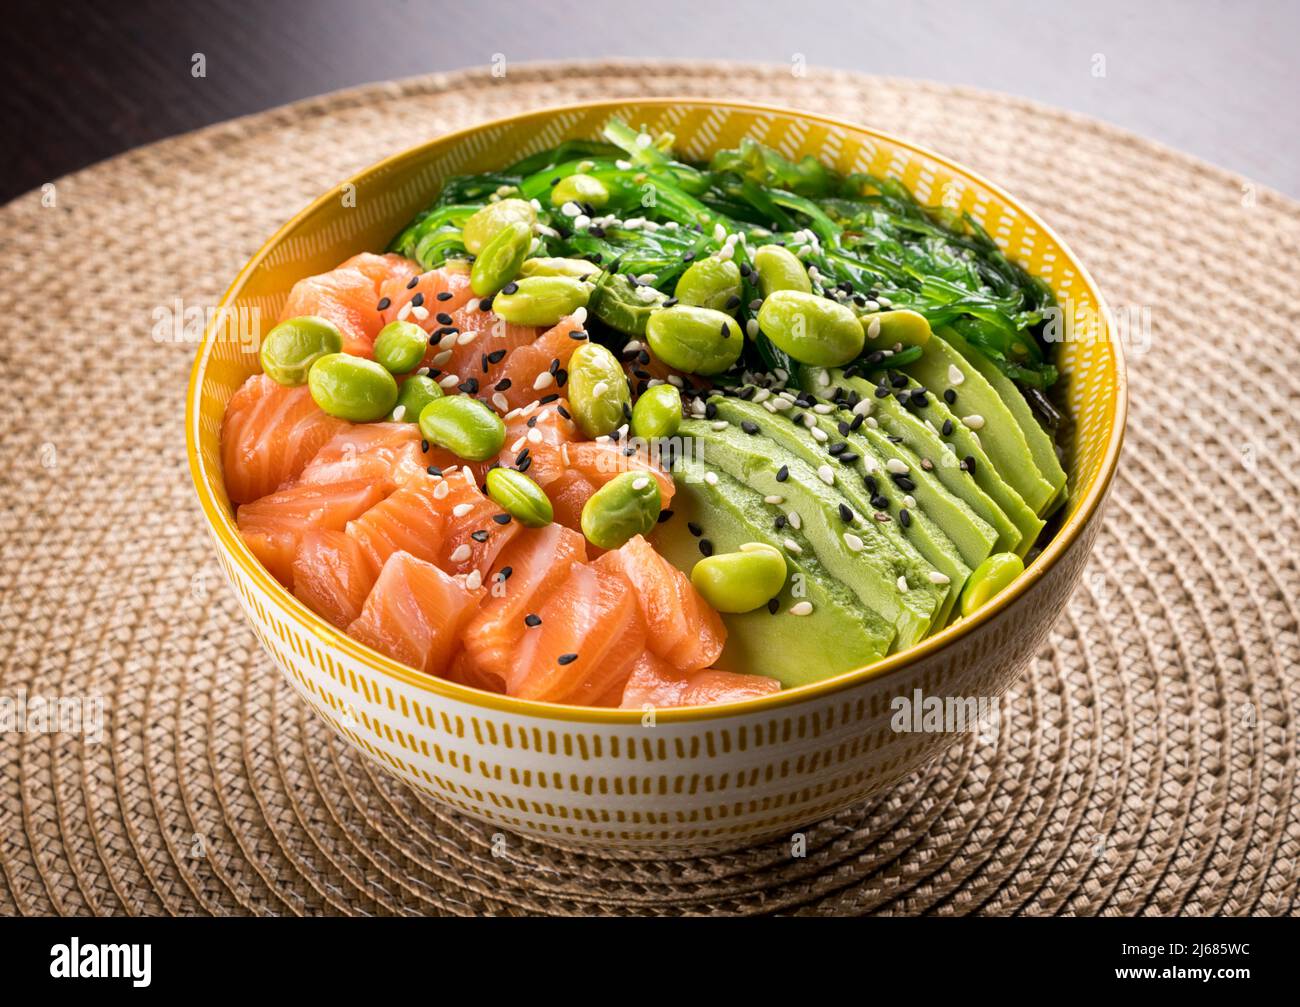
657, 413
400, 346
740, 581
989, 578
598, 393
541, 300
780, 269
416, 392
811, 329
889, 328
464, 426
290, 348
580, 188
623, 307
520, 497
500, 259
625, 506
695, 340
544, 265
352, 388
710, 283
483, 226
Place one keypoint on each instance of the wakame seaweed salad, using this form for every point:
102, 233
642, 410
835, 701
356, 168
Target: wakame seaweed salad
865, 240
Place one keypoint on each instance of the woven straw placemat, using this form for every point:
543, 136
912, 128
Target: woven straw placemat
1146, 764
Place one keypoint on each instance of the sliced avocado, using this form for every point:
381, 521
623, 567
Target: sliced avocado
838, 635
874, 573
990, 497
927, 540
1040, 441
998, 432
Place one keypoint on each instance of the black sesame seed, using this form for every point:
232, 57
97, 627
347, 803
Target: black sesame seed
505, 572
510, 288
899, 381
733, 302
710, 410
546, 400
561, 377
950, 396
566, 658
879, 502
904, 518
433, 470
694, 529
523, 466
749, 427
946, 429
918, 398
780, 521
882, 392
706, 547
443, 295
446, 330
873, 487
501, 518
532, 620
838, 448
849, 457
772, 605
563, 412
969, 462
384, 304
857, 422
532, 422
443, 318
664, 515
479, 536
469, 386
670, 302
783, 473
485, 304
418, 300
424, 446
846, 513
726, 331
521, 458
414, 282
554, 365
903, 482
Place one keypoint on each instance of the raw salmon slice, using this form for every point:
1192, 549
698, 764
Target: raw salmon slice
274, 525
390, 454
382, 269
415, 613
348, 298
601, 461
538, 560
478, 350
268, 435
411, 520
569, 493
681, 627
589, 636
472, 539
656, 683
465, 670
332, 576
529, 368
423, 292
535, 441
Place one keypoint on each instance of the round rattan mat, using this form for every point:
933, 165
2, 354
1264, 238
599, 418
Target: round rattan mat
1146, 764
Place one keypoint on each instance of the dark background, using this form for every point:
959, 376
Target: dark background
82, 81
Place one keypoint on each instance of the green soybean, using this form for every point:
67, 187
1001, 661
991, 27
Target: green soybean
625, 506
889, 328
500, 259
416, 392
541, 300
695, 340
352, 388
657, 413
400, 346
624, 307
290, 348
520, 497
464, 426
598, 392
740, 581
544, 265
710, 283
811, 329
989, 578
483, 226
580, 188
780, 269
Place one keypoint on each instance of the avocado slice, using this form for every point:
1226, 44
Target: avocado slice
1017, 525
873, 573
929, 542
1041, 444
999, 435
838, 635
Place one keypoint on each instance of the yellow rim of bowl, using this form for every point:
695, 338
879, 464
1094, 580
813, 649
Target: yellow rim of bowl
222, 525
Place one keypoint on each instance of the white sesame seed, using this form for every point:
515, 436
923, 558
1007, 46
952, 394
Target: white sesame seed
600, 388
796, 522
873, 328
581, 222
871, 465
939, 578
823, 408
442, 489
500, 402
399, 414
449, 380
465, 338
873, 423
711, 478
801, 608
517, 446
719, 233
751, 328
819, 435
580, 316
902, 582
633, 346
774, 499
863, 407
827, 475
792, 546
404, 312
460, 510
473, 580
543, 380
640, 483
909, 501
885, 302
419, 313
719, 424
955, 375
823, 378
571, 209
460, 554
975, 421
854, 543
897, 466
534, 436
809, 420
441, 358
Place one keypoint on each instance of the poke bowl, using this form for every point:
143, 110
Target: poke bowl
656, 476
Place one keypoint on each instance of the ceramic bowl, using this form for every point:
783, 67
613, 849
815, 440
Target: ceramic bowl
695, 779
